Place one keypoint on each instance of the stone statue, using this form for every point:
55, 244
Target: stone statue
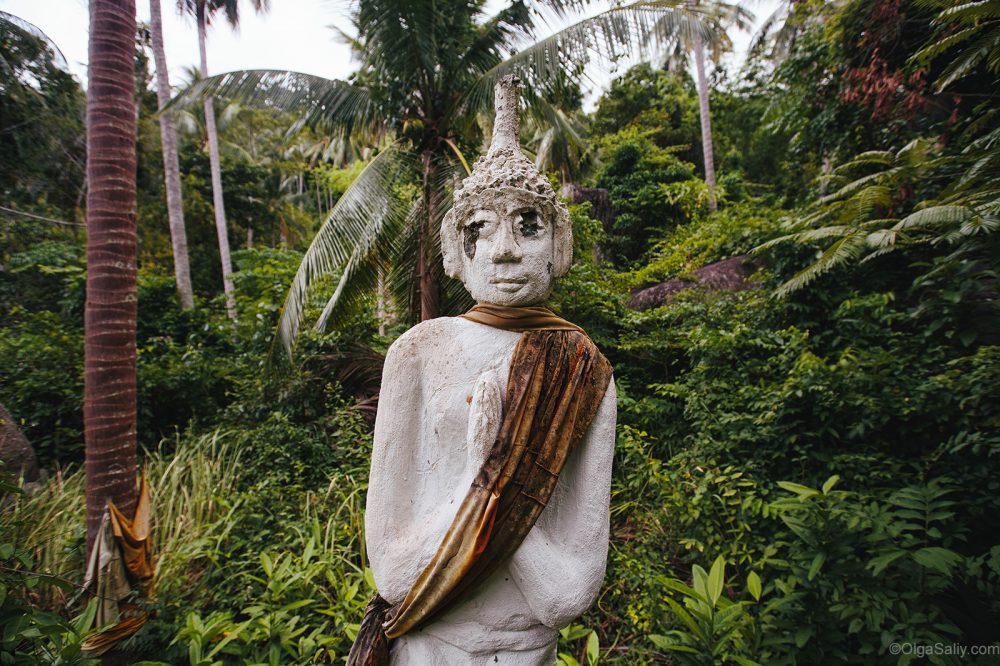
487, 512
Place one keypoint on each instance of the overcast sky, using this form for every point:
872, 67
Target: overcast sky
294, 35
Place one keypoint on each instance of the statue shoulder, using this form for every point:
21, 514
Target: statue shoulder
424, 339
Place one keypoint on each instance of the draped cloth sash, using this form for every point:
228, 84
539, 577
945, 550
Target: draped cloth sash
556, 382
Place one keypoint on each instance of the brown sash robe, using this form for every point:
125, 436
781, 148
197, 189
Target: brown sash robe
556, 383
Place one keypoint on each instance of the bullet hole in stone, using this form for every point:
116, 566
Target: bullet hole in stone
471, 232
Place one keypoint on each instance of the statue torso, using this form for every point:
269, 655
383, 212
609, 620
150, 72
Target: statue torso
449, 355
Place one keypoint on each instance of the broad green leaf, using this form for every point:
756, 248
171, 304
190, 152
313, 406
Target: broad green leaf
879, 564
800, 490
593, 649
939, 559
753, 585
817, 564
716, 579
688, 621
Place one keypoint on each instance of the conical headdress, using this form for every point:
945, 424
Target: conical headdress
504, 165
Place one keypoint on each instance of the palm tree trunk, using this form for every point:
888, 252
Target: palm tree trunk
430, 305
213, 158
171, 165
706, 121
109, 395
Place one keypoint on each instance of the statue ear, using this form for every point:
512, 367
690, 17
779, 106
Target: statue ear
451, 252
562, 242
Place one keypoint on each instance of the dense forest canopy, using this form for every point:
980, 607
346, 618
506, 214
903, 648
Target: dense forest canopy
808, 376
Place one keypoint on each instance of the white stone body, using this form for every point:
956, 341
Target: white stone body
507, 238
439, 410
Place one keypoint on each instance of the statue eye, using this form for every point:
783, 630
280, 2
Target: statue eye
471, 235
529, 223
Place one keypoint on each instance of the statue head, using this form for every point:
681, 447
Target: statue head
507, 237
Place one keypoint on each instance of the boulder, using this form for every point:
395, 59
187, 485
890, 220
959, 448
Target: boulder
732, 274
15, 450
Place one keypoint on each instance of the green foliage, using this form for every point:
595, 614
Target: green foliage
659, 104
733, 230
42, 148
41, 381
652, 190
589, 648
30, 635
305, 613
713, 626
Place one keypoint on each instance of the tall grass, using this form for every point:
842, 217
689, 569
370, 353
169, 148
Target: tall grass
51, 526
191, 509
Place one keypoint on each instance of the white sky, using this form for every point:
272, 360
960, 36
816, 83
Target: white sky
294, 35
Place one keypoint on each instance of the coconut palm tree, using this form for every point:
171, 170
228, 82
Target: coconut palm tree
171, 164
725, 14
204, 11
424, 91
109, 384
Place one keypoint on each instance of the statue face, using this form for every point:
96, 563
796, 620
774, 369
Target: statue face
507, 249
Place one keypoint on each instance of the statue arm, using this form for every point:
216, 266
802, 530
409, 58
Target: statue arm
402, 528
560, 566
391, 546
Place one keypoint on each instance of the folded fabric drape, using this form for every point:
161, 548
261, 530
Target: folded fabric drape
556, 382
122, 554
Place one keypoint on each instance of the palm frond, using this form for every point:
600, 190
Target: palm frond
560, 143
970, 12
860, 184
401, 280
849, 248
367, 207
618, 32
863, 203
879, 157
326, 104
934, 217
931, 51
963, 65
371, 257
34, 32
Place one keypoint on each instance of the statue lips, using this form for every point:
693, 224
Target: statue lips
509, 285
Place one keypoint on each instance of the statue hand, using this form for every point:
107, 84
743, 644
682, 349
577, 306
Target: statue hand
485, 416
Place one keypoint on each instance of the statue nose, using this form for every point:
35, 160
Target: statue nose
505, 249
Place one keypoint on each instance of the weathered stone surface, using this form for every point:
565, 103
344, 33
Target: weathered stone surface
729, 275
600, 202
16, 451
507, 238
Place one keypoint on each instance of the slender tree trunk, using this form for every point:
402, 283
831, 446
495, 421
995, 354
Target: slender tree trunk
430, 304
706, 121
171, 165
380, 309
213, 158
109, 396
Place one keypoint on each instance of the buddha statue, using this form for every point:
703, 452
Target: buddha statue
487, 511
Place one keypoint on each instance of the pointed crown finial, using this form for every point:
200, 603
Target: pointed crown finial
507, 125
